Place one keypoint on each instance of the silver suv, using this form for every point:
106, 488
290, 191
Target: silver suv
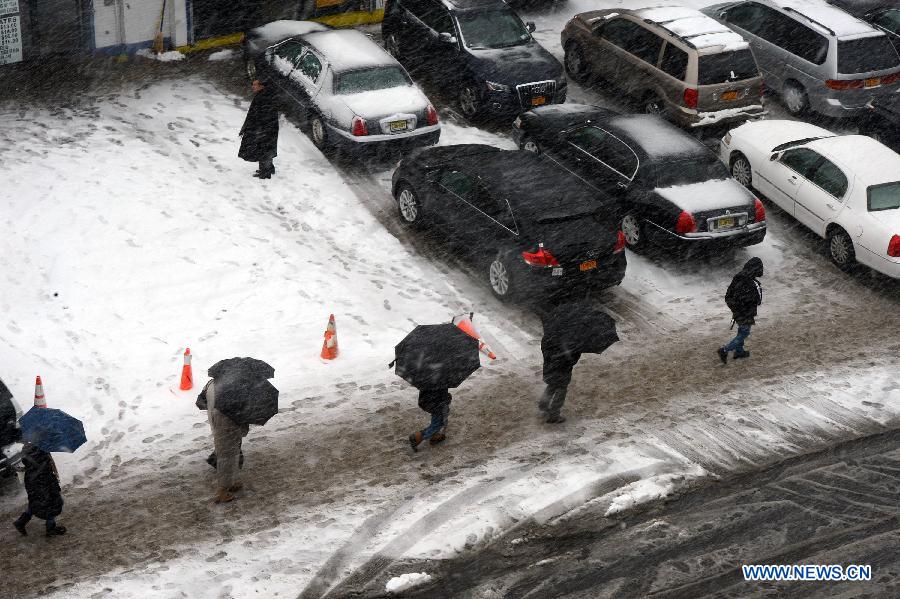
815, 55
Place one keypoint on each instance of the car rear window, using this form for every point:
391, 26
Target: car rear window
866, 54
725, 67
686, 172
354, 82
884, 197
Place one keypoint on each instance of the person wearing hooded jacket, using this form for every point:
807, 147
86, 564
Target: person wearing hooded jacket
743, 297
259, 134
44, 495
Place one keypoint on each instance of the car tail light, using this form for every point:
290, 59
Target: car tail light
762, 89
892, 78
845, 83
691, 96
760, 210
541, 257
432, 115
359, 127
894, 247
686, 223
620, 242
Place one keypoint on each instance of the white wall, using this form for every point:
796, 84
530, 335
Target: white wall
134, 22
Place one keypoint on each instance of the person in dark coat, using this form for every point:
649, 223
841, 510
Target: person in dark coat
558, 365
259, 135
44, 495
437, 403
743, 297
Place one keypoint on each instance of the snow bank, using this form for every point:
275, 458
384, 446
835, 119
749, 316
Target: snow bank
642, 491
163, 57
406, 581
221, 55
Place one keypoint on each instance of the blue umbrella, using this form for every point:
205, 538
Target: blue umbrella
52, 430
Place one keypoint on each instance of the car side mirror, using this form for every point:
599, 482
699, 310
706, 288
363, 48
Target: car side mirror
530, 26
447, 38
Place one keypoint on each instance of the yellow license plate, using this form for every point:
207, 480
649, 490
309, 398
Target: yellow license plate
724, 223
398, 125
873, 82
589, 265
539, 101
732, 95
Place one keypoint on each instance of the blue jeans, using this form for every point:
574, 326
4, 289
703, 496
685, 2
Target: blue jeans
737, 344
438, 422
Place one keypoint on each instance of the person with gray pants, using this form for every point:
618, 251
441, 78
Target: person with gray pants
227, 438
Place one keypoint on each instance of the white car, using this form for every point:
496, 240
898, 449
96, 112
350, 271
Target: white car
846, 188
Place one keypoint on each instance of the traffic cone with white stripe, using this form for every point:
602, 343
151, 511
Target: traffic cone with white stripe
464, 322
39, 401
187, 374
330, 345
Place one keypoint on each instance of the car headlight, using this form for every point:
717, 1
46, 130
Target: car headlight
496, 87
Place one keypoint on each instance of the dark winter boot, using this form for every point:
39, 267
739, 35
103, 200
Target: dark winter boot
741, 354
55, 530
414, 440
555, 419
723, 355
20, 524
437, 438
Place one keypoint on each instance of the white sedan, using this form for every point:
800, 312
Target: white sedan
846, 188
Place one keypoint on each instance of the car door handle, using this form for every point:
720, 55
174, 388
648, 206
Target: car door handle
831, 206
792, 180
621, 185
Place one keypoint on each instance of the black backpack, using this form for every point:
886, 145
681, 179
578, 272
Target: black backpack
731, 295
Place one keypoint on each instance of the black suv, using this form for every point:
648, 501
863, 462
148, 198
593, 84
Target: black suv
10, 435
480, 49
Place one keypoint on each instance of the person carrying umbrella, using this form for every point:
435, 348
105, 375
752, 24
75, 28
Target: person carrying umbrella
437, 403
569, 331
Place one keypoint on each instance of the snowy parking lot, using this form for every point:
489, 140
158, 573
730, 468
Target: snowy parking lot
134, 231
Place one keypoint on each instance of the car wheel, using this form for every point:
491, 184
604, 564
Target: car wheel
318, 132
795, 99
634, 232
840, 248
576, 65
653, 105
469, 102
250, 67
501, 279
392, 46
529, 145
741, 171
408, 206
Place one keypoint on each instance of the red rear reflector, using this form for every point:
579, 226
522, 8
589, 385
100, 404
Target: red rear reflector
432, 115
845, 84
894, 247
620, 242
686, 223
760, 210
541, 257
691, 96
359, 127
888, 79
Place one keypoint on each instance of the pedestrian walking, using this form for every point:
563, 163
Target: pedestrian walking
259, 134
227, 438
437, 403
558, 364
743, 297
42, 486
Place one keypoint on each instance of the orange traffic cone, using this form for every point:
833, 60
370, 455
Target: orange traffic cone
187, 375
330, 345
464, 322
39, 401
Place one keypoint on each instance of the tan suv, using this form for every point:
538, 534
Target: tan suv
675, 61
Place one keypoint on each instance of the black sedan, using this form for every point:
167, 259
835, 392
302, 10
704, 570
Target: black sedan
671, 190
532, 228
883, 121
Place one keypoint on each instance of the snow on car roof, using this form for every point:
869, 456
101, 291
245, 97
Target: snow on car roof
831, 17
869, 160
693, 26
279, 30
348, 49
658, 139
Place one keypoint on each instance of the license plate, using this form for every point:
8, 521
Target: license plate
398, 125
588, 265
732, 95
557, 272
724, 223
539, 101
873, 82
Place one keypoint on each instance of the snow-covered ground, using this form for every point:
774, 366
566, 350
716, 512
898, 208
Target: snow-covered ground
134, 231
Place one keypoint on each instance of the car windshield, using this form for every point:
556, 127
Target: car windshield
354, 82
492, 29
866, 54
725, 67
884, 197
686, 172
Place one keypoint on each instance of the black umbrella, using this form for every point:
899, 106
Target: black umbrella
242, 391
436, 356
580, 327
